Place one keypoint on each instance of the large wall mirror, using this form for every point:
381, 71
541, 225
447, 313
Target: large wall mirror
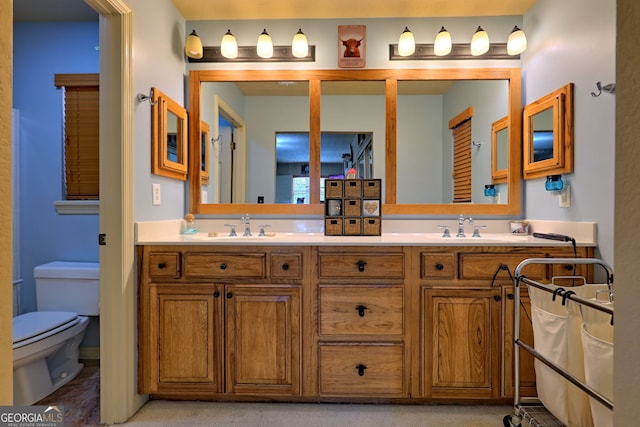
548, 134
303, 126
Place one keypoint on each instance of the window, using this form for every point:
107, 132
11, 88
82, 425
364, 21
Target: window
81, 135
461, 130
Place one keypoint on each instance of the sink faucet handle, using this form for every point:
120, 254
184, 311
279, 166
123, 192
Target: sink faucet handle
262, 227
446, 232
232, 230
476, 230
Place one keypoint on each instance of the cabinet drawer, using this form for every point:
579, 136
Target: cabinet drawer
355, 266
286, 266
485, 266
361, 370
361, 311
437, 266
214, 265
568, 269
164, 265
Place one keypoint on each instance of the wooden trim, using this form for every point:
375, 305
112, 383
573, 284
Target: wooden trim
464, 115
90, 79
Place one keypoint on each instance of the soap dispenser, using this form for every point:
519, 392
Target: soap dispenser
190, 224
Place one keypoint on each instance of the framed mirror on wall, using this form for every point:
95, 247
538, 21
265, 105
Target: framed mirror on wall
548, 134
385, 106
169, 136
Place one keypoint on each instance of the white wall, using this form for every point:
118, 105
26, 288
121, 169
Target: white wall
574, 41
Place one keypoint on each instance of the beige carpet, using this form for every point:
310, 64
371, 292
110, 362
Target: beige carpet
223, 414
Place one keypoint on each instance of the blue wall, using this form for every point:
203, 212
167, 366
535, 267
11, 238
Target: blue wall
40, 51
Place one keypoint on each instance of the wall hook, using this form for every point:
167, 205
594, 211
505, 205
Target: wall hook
610, 88
142, 98
216, 139
476, 144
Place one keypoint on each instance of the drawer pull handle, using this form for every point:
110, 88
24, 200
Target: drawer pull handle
223, 266
285, 266
361, 265
161, 266
361, 368
510, 296
361, 309
229, 295
216, 294
439, 267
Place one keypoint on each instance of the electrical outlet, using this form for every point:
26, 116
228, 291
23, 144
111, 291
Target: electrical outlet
564, 199
155, 195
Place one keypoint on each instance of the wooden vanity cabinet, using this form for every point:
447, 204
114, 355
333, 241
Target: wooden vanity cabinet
220, 321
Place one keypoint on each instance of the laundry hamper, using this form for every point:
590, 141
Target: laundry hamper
556, 335
597, 344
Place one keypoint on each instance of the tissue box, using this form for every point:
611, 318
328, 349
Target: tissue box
519, 227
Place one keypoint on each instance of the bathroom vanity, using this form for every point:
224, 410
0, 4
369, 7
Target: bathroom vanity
394, 318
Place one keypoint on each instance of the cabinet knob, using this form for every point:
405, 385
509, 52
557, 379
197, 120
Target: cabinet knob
285, 266
161, 266
361, 265
223, 266
361, 309
510, 296
229, 295
361, 368
216, 294
497, 297
439, 267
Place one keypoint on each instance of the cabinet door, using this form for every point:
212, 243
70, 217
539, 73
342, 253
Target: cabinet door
263, 340
185, 352
527, 372
461, 333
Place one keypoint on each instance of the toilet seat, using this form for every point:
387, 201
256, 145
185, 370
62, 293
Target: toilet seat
38, 325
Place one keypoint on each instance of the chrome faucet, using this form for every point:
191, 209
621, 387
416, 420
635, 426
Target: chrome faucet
247, 225
461, 221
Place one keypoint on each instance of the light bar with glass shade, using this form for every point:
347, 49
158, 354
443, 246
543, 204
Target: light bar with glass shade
193, 46
479, 42
299, 46
229, 46
442, 45
517, 42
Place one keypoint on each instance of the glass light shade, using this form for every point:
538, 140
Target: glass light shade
479, 42
264, 47
228, 46
193, 46
517, 42
442, 45
299, 46
406, 44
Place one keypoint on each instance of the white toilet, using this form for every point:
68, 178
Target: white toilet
45, 342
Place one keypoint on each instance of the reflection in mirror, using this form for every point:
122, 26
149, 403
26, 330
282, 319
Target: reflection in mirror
339, 152
168, 136
205, 152
548, 134
425, 145
500, 150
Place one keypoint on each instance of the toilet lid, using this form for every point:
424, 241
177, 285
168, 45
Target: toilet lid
32, 324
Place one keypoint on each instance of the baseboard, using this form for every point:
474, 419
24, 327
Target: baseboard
89, 353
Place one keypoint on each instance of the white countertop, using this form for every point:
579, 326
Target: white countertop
306, 233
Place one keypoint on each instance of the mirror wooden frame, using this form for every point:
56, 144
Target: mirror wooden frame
561, 101
498, 176
205, 137
391, 78
161, 106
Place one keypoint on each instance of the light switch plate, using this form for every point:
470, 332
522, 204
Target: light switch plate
155, 195
564, 199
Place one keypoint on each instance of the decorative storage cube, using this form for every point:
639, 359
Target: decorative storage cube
371, 189
352, 189
353, 226
352, 207
333, 227
333, 188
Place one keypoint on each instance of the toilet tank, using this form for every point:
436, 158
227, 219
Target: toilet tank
68, 286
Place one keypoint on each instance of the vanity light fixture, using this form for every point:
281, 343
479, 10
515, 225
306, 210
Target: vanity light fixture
299, 46
193, 46
264, 48
443, 48
229, 46
442, 45
407, 43
480, 42
517, 42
